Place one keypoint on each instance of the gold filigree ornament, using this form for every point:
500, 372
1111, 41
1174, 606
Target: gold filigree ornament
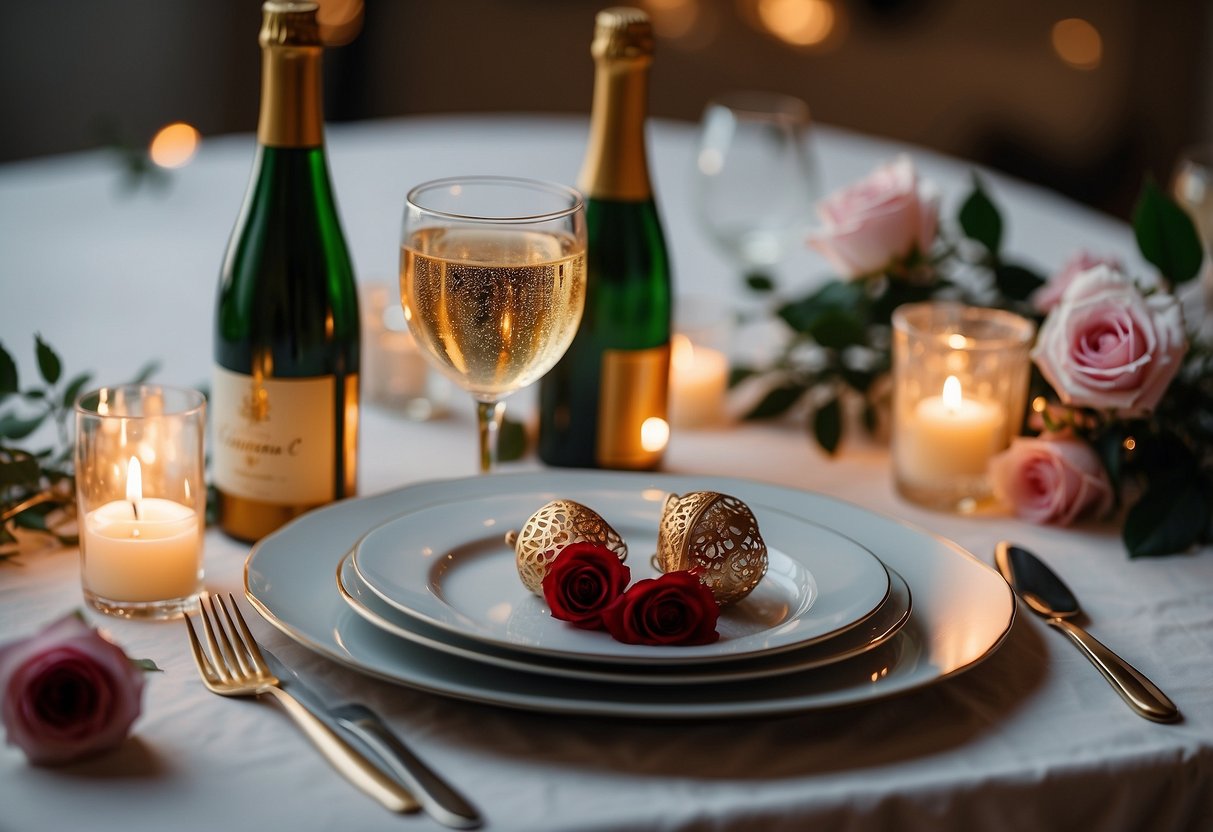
716, 534
554, 526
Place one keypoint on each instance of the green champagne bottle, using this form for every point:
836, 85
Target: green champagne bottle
284, 397
604, 404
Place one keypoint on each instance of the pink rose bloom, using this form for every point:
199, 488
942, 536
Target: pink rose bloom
1047, 296
1051, 480
67, 693
1106, 346
882, 218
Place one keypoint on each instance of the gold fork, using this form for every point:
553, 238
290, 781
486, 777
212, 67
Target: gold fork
235, 667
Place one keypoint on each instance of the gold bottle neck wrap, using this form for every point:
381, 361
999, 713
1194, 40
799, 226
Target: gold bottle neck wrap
292, 112
622, 32
616, 163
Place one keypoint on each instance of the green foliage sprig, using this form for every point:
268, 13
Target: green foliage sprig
36, 483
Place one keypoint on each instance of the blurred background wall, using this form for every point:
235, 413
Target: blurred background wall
1082, 96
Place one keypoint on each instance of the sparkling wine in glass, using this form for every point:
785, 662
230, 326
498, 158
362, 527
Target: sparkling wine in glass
492, 280
755, 181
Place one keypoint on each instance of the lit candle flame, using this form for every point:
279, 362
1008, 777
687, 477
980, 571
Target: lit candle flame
951, 394
134, 484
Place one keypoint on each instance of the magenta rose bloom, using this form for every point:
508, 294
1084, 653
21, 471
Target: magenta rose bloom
883, 218
67, 693
1048, 296
582, 581
675, 608
1107, 346
1051, 480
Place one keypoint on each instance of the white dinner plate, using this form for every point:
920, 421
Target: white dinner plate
963, 609
448, 566
873, 632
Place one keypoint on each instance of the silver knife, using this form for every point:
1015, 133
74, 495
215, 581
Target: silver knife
1043, 591
373, 735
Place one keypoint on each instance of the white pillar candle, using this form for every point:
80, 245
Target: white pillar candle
950, 436
141, 550
699, 379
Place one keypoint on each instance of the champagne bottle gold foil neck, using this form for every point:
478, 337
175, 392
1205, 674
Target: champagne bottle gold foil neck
622, 32
289, 24
291, 107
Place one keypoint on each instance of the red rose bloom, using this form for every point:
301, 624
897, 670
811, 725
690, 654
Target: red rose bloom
582, 581
673, 609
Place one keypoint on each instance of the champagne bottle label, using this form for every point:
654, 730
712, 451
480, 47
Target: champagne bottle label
275, 438
633, 428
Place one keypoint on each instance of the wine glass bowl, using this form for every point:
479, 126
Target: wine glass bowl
492, 281
1192, 188
755, 182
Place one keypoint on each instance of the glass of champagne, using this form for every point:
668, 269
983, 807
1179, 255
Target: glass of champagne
492, 280
755, 182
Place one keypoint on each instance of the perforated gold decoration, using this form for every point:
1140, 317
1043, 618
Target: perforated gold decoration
717, 534
549, 530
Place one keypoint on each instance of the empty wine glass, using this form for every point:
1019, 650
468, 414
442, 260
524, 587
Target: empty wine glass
1192, 187
492, 280
755, 182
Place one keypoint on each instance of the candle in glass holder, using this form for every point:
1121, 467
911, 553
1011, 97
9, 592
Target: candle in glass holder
699, 363
960, 377
699, 378
141, 550
141, 499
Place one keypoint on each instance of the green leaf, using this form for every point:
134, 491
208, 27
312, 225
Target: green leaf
836, 296
48, 362
760, 282
1170, 517
837, 329
147, 665
776, 402
8, 373
13, 426
31, 519
1109, 445
73, 389
23, 470
739, 374
147, 371
859, 380
511, 441
1166, 235
1016, 282
980, 220
827, 425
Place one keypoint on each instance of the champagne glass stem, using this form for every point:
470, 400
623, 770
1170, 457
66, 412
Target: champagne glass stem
488, 419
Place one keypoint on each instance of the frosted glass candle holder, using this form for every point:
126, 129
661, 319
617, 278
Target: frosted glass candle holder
141, 499
960, 384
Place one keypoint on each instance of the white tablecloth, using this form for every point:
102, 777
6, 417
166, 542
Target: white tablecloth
1034, 738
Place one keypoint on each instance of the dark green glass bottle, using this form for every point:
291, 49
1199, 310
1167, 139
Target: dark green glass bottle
604, 404
284, 398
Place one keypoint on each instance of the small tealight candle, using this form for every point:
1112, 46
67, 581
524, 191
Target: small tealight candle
699, 378
141, 499
951, 436
141, 550
960, 379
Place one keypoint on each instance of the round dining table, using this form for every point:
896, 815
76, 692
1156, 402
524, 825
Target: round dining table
114, 274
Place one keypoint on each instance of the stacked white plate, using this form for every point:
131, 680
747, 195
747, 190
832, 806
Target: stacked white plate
418, 586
